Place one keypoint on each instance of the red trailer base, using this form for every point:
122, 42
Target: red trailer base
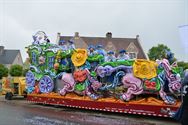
147, 106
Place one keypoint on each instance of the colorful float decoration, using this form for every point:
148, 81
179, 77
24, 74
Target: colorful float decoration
144, 69
79, 57
82, 79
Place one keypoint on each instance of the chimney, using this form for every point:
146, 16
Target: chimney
76, 35
1, 49
58, 38
108, 35
137, 36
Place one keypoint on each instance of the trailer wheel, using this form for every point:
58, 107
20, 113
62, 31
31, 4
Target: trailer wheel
46, 84
8, 96
25, 94
30, 78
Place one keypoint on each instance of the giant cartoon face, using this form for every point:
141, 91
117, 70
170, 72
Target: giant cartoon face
39, 37
80, 75
42, 60
79, 57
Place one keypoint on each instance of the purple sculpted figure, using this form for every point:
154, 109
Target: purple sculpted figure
135, 85
69, 83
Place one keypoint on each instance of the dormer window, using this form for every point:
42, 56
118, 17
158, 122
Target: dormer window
132, 50
132, 55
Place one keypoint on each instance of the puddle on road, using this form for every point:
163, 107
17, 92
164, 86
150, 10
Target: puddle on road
37, 120
23, 115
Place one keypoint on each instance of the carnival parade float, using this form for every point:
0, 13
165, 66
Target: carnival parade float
98, 80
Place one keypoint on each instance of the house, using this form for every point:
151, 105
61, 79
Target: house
10, 57
131, 45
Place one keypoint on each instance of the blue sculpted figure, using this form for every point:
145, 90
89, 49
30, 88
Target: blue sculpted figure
100, 50
122, 55
40, 37
91, 50
92, 53
110, 57
71, 45
63, 45
169, 56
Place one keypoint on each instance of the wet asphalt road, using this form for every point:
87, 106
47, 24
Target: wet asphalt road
20, 112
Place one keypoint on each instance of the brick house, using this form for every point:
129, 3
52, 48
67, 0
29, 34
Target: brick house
131, 45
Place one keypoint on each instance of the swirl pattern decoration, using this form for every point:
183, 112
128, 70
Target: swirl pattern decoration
30, 79
46, 84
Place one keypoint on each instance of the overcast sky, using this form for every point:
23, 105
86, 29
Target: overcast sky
156, 21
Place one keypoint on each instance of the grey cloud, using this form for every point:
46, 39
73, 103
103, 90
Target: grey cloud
156, 21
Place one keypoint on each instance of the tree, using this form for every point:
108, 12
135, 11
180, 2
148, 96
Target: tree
182, 64
26, 66
3, 71
158, 52
16, 70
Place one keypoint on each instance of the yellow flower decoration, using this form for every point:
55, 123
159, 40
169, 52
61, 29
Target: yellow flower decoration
79, 57
144, 69
58, 56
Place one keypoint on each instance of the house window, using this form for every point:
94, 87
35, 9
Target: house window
34, 58
51, 62
110, 47
132, 55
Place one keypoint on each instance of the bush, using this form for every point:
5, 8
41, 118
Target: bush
182, 64
3, 71
16, 70
25, 71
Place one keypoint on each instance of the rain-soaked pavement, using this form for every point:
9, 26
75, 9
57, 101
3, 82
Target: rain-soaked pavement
20, 112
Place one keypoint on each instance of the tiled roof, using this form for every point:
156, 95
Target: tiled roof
8, 56
119, 43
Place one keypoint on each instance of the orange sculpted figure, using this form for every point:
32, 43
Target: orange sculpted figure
80, 75
37, 90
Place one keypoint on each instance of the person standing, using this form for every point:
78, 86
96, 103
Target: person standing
182, 113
